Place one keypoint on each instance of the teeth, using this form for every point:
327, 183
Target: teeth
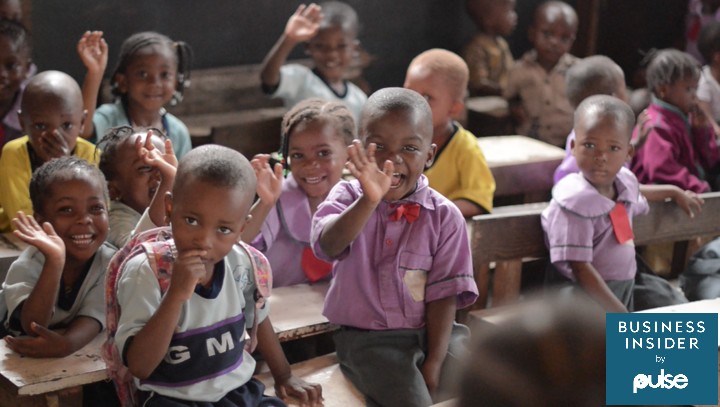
313, 180
397, 177
81, 240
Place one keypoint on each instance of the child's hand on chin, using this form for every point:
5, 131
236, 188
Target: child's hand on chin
362, 165
188, 272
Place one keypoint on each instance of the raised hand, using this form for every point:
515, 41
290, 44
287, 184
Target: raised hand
309, 394
165, 162
44, 238
269, 180
362, 165
188, 272
46, 344
93, 51
698, 118
304, 24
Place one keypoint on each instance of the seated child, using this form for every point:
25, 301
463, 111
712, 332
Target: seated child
487, 54
402, 257
700, 14
536, 84
588, 222
15, 56
57, 282
152, 71
315, 136
594, 75
331, 34
459, 170
708, 91
166, 339
552, 353
52, 117
139, 166
680, 147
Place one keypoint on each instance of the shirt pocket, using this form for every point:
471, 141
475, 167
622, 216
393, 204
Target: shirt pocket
414, 269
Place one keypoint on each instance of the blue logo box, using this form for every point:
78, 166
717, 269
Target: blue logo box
661, 359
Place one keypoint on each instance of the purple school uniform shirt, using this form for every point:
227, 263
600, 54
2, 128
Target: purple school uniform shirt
393, 268
577, 226
285, 233
569, 163
673, 153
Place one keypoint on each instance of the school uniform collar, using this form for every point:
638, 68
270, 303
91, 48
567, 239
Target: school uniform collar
293, 209
561, 66
422, 195
575, 194
672, 108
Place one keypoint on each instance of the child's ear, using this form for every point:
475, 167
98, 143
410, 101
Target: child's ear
572, 147
430, 155
121, 82
113, 190
631, 151
457, 108
82, 121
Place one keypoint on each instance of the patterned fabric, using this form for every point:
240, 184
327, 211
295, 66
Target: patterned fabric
159, 247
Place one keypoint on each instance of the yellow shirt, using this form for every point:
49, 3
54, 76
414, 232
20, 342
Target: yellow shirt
15, 174
461, 172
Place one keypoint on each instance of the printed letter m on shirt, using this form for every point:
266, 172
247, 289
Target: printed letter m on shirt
226, 343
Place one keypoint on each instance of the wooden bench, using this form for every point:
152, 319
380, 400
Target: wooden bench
296, 311
521, 166
45, 382
10, 249
507, 237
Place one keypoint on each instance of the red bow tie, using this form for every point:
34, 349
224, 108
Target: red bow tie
410, 211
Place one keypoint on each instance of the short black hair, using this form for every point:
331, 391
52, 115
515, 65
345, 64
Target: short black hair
110, 144
393, 99
606, 105
134, 43
64, 168
216, 165
337, 13
709, 41
668, 66
16, 32
594, 75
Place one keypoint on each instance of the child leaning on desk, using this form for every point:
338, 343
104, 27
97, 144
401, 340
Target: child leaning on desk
402, 257
587, 225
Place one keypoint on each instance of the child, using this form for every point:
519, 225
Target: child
152, 71
459, 171
680, 147
57, 282
536, 85
403, 263
708, 92
10, 10
166, 341
315, 136
588, 222
52, 116
487, 54
139, 166
594, 75
331, 34
700, 13
15, 62
550, 353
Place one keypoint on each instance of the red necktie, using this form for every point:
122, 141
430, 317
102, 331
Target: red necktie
314, 268
621, 223
410, 211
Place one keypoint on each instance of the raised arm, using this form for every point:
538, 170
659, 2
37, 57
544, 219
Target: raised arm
343, 229
302, 26
689, 201
166, 163
268, 189
93, 53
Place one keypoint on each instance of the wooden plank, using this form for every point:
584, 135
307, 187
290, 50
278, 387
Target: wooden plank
33, 376
296, 311
10, 248
337, 390
506, 282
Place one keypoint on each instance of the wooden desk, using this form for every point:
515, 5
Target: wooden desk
35, 382
296, 311
10, 249
488, 116
521, 165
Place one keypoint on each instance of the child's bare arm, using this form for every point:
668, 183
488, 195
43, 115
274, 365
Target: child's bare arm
166, 163
344, 228
689, 201
46, 343
39, 306
590, 280
302, 26
268, 189
440, 315
286, 385
468, 208
93, 52
150, 344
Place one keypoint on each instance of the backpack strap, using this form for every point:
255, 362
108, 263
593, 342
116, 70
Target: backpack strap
263, 286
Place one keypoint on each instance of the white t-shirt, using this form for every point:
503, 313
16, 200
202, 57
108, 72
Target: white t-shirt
709, 91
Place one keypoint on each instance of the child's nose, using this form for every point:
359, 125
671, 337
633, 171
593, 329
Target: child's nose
201, 240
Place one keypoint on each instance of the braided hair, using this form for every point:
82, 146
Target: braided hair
133, 44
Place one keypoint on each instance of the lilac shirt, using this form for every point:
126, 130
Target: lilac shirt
577, 226
569, 163
386, 276
285, 233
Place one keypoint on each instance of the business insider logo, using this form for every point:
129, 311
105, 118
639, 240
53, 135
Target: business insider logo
661, 359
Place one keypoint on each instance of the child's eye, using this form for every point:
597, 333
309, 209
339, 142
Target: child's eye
98, 209
614, 148
410, 148
379, 147
65, 210
12, 66
67, 126
589, 145
427, 97
191, 221
165, 75
296, 156
141, 74
39, 126
224, 230
324, 153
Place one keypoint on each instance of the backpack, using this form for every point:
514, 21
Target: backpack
159, 247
